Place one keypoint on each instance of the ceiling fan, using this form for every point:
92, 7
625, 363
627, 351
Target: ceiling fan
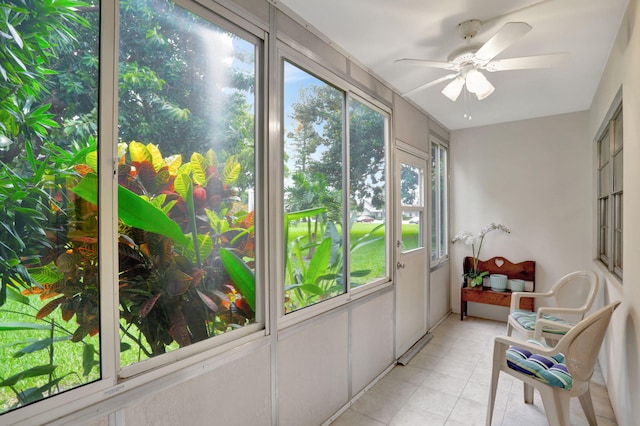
468, 62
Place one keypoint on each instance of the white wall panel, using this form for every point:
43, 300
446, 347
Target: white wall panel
313, 370
371, 340
439, 295
534, 176
410, 125
621, 362
236, 393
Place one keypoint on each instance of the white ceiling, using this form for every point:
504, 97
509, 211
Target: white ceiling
377, 32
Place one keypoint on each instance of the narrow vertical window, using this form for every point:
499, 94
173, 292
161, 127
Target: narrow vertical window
313, 188
610, 194
49, 289
186, 179
367, 142
439, 203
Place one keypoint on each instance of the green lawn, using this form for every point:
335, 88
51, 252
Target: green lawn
370, 256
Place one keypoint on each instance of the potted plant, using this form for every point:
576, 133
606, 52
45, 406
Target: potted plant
474, 276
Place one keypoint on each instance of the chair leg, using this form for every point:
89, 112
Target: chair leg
587, 407
556, 405
495, 375
528, 393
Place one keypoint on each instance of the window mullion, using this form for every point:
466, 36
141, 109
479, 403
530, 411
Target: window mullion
108, 184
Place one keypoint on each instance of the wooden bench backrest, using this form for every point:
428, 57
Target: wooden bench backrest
499, 265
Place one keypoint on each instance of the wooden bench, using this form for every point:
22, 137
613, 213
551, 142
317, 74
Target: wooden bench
498, 265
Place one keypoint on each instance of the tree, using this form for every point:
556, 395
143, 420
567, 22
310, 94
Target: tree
318, 141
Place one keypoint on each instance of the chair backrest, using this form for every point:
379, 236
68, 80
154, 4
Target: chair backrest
581, 344
576, 290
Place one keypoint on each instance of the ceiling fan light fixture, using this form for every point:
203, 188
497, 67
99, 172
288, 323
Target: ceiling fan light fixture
453, 89
478, 84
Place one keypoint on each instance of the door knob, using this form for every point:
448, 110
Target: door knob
400, 265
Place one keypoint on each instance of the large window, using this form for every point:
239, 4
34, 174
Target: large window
49, 289
334, 190
610, 177
184, 235
439, 203
186, 131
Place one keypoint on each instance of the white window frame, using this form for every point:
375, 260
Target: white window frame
439, 206
307, 64
609, 192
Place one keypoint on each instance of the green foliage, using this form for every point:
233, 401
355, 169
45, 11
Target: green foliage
314, 266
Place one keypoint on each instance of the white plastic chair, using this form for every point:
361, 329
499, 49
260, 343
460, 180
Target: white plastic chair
564, 305
579, 350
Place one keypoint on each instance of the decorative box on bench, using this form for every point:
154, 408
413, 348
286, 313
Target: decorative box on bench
525, 271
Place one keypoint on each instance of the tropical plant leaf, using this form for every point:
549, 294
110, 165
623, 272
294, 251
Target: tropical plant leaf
302, 214
40, 370
178, 328
207, 301
199, 169
80, 333
92, 160
241, 275
156, 157
360, 273
12, 326
231, 171
148, 305
133, 210
88, 360
39, 345
50, 307
180, 283
36, 394
319, 262
45, 275
139, 153
309, 288
182, 185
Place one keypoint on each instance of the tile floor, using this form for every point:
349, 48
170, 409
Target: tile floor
447, 383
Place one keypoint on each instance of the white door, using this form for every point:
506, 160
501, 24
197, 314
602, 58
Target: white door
411, 265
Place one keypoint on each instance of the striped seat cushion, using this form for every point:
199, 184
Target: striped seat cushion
527, 319
547, 369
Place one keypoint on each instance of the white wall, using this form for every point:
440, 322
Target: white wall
533, 176
620, 358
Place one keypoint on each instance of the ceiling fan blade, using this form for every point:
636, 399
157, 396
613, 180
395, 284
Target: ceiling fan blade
425, 63
526, 62
490, 21
429, 84
505, 37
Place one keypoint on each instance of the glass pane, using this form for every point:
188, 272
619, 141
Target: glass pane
434, 202
618, 134
187, 160
604, 146
412, 228
617, 171
443, 247
617, 235
48, 193
314, 267
411, 186
367, 143
604, 185
604, 228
